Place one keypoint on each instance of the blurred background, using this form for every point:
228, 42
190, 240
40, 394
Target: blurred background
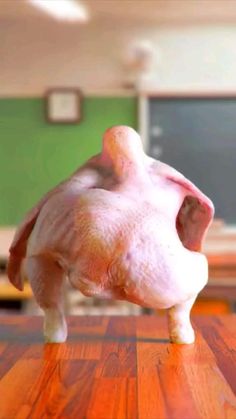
69, 69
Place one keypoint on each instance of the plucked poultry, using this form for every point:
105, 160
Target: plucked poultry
123, 226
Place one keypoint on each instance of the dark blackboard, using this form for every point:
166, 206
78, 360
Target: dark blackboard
197, 136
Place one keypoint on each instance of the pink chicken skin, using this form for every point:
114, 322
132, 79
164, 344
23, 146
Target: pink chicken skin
123, 226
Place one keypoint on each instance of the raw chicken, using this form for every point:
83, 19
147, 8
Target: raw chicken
123, 226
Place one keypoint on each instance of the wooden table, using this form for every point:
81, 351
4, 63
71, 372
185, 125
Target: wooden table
117, 367
220, 249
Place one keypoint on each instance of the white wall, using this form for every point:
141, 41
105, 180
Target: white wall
37, 55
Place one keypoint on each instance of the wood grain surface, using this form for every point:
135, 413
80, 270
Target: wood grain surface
118, 368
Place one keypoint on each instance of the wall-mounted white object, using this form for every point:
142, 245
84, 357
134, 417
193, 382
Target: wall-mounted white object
139, 60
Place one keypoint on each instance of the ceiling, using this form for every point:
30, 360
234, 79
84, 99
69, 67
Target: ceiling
161, 11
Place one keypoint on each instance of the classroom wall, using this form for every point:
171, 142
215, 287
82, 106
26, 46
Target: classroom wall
36, 55
36, 155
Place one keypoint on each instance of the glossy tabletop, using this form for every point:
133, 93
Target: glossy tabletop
119, 368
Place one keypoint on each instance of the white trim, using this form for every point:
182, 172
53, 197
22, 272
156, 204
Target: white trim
143, 120
87, 93
120, 92
191, 93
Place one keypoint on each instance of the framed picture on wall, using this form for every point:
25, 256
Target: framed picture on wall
64, 105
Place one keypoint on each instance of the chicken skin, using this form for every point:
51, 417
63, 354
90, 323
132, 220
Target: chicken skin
123, 226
